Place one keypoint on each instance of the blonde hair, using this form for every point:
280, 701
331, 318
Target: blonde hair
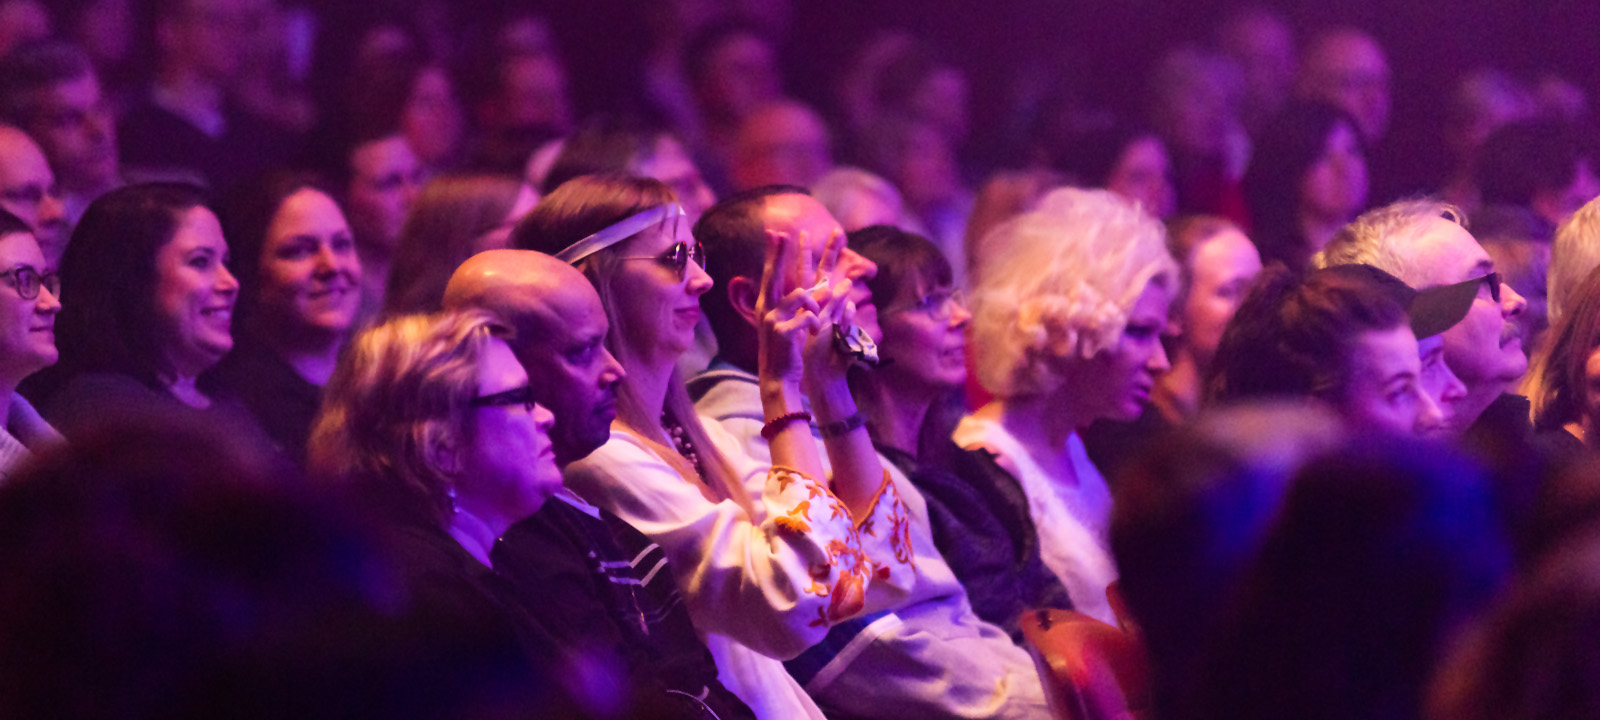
1575, 251
1059, 283
588, 204
1383, 238
399, 395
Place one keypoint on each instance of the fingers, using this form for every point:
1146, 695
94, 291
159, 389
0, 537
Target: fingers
831, 252
780, 253
805, 270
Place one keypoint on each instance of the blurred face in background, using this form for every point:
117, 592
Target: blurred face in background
1223, 268
1335, 187
385, 179
1143, 174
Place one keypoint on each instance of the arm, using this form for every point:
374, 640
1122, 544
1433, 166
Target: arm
774, 583
797, 342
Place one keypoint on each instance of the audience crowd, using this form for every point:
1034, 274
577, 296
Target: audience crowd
354, 368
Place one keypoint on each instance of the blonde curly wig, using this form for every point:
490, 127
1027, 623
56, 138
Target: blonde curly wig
1058, 283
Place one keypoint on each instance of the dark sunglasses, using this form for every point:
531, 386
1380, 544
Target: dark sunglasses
515, 396
1493, 281
27, 281
679, 257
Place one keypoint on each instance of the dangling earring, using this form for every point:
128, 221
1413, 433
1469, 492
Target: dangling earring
450, 492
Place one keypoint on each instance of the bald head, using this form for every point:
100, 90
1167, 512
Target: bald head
559, 336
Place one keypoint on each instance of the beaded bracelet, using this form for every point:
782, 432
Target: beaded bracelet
776, 425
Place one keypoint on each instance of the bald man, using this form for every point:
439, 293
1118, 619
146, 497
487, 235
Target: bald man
560, 331
28, 190
604, 588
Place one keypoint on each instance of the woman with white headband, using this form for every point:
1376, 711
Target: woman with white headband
768, 558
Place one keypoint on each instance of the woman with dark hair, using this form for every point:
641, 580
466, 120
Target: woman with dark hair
1560, 382
1346, 336
768, 557
147, 309
1128, 160
301, 290
455, 217
977, 510
1307, 178
27, 316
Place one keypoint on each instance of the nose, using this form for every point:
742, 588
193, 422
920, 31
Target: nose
226, 282
1511, 303
857, 267
1429, 417
612, 373
698, 282
51, 210
1158, 364
47, 303
959, 314
543, 418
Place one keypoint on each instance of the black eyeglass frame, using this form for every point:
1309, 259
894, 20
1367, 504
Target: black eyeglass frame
26, 281
1493, 280
522, 395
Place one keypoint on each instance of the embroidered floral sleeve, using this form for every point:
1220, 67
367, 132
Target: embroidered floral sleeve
774, 583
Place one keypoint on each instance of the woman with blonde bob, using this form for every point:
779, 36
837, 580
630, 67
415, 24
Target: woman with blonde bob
1067, 320
430, 419
769, 558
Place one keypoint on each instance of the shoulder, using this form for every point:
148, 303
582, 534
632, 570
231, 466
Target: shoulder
724, 392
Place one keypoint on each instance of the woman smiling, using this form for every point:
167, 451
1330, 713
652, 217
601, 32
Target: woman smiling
291, 245
147, 309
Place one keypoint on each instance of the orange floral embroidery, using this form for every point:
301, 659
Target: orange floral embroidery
796, 519
818, 589
849, 596
783, 480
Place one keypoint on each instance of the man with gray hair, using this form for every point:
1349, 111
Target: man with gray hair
1425, 243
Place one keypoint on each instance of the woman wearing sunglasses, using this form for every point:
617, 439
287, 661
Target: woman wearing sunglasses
27, 339
768, 558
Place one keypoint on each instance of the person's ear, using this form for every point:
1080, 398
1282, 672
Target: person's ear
443, 456
742, 295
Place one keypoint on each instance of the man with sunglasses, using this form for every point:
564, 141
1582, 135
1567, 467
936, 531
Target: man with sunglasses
1425, 244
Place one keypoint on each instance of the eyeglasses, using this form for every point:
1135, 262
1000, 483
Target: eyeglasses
27, 281
938, 305
679, 257
1493, 281
515, 396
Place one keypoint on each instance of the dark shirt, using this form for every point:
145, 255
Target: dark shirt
156, 144
283, 402
982, 527
1522, 461
1113, 446
608, 593
507, 652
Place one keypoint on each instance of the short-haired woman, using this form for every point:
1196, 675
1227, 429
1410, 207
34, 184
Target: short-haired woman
1068, 314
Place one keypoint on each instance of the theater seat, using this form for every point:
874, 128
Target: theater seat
1090, 670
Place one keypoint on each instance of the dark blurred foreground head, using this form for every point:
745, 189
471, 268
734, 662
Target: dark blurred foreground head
153, 572
1381, 555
